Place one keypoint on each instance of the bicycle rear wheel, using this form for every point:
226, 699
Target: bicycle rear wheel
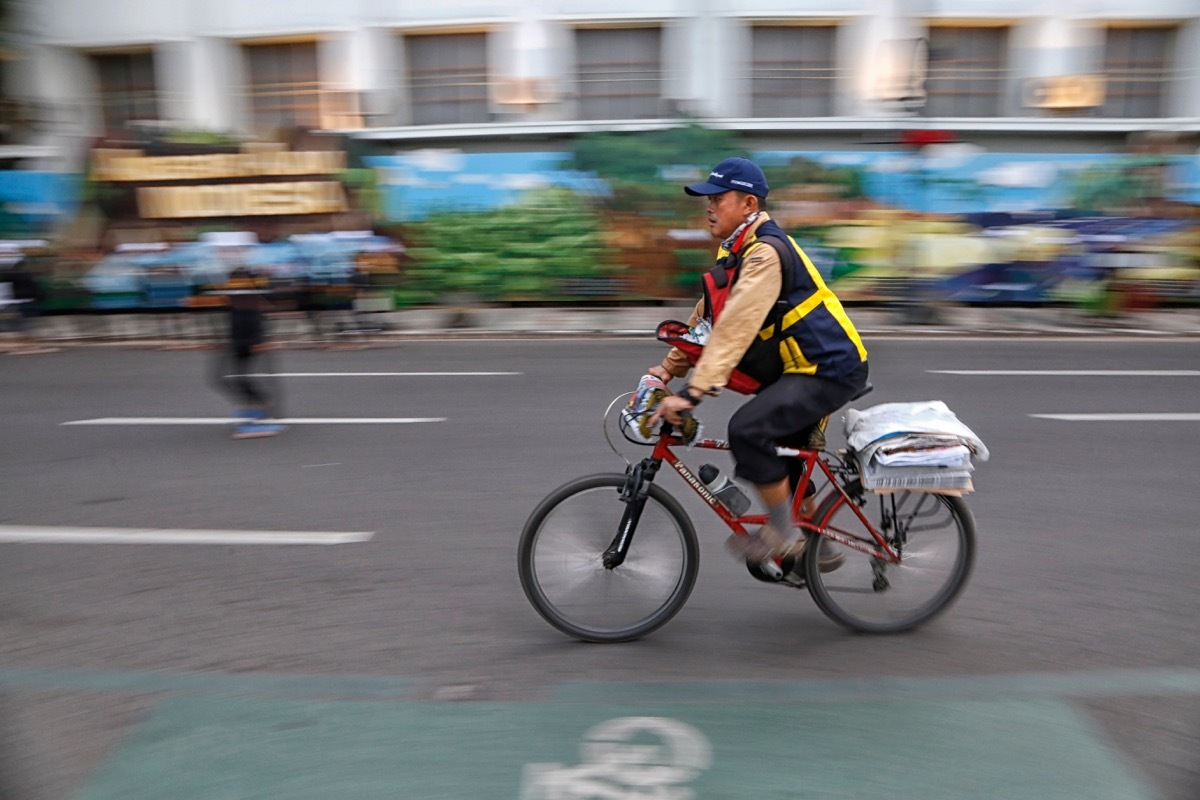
563, 575
935, 535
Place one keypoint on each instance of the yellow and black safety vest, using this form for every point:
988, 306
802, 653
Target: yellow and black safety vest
806, 332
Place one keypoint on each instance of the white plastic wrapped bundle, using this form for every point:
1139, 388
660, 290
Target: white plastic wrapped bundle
915, 446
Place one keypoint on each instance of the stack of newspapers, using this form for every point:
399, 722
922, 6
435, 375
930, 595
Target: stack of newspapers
915, 446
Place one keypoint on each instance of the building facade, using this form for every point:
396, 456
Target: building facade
1082, 76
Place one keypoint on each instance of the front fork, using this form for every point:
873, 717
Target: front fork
638, 478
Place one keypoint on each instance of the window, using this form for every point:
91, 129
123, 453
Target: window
448, 78
967, 72
283, 85
127, 88
1137, 63
619, 73
792, 71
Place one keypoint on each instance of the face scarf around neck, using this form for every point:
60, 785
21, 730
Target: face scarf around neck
729, 242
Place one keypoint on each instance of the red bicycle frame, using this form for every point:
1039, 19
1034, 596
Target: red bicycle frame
877, 546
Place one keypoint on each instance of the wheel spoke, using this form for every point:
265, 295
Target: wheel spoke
653, 571
936, 559
562, 569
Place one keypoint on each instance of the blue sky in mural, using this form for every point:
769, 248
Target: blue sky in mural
964, 179
952, 178
421, 182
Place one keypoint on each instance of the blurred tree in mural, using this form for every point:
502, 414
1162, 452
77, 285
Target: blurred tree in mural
639, 167
801, 171
645, 204
546, 248
1119, 185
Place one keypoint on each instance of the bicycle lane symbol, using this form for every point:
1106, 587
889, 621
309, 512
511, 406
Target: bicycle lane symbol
617, 764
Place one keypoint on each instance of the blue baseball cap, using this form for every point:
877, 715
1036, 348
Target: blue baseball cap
732, 175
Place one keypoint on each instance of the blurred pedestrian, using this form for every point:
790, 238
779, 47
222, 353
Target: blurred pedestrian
308, 303
19, 302
361, 281
245, 356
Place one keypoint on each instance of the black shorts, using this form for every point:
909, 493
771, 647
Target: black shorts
778, 413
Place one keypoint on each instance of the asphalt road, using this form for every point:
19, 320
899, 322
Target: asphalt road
410, 664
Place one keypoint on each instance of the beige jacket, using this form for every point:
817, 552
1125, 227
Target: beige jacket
760, 280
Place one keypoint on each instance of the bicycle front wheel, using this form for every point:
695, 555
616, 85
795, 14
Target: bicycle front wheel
563, 574
935, 536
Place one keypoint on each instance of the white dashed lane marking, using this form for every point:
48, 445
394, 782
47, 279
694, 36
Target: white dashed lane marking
45, 534
230, 421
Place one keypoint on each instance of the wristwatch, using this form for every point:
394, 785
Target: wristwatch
691, 394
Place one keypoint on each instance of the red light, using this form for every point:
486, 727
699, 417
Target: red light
926, 137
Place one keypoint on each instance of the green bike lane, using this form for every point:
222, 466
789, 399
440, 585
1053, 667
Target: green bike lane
1010, 737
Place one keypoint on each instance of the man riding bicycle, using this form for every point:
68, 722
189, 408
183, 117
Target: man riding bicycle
770, 311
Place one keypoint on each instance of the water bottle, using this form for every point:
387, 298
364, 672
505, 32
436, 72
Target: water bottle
728, 492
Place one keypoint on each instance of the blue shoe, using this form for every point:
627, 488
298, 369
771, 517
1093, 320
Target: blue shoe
256, 430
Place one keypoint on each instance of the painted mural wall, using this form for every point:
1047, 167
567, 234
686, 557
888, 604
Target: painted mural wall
943, 179
951, 220
944, 221
32, 201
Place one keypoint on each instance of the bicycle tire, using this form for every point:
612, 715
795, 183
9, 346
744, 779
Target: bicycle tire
936, 562
559, 561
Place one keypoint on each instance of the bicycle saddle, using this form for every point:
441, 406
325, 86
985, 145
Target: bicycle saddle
868, 387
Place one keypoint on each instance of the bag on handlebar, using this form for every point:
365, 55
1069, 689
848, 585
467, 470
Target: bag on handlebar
761, 366
762, 363
635, 421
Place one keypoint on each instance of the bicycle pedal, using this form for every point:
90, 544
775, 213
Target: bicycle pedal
793, 580
792, 568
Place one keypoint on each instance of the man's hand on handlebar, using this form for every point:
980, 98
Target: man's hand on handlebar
670, 409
